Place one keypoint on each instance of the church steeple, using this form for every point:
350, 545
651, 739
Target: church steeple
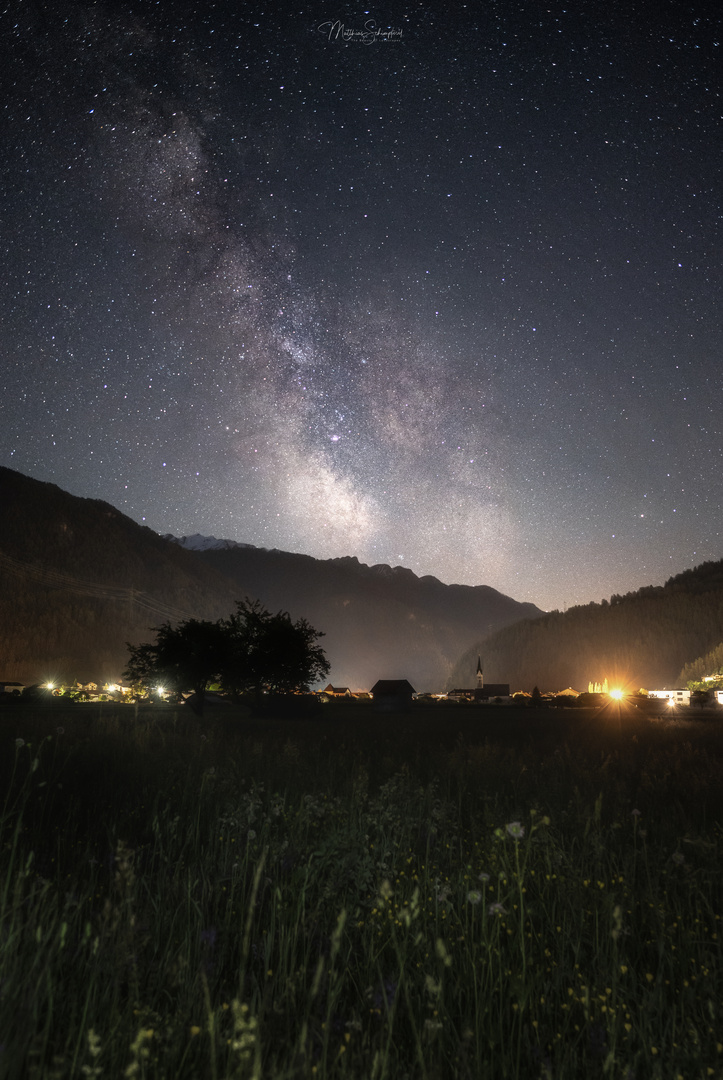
480, 674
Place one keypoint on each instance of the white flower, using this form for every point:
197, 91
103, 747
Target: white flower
496, 909
19, 743
483, 877
474, 896
432, 1025
251, 834
515, 829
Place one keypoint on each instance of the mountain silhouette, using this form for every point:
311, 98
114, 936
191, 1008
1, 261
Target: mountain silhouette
80, 579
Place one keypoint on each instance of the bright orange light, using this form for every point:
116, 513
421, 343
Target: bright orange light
617, 694
671, 703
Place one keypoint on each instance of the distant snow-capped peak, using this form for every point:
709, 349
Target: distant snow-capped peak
197, 542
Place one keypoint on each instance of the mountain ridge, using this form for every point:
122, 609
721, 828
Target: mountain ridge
79, 579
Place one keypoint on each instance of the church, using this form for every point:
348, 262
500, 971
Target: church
482, 691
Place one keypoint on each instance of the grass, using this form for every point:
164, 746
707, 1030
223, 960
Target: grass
452, 893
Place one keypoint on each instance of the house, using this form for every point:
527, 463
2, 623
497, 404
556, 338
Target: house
7, 687
337, 691
673, 697
392, 695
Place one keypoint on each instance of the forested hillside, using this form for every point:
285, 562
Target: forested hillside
78, 579
642, 639
702, 666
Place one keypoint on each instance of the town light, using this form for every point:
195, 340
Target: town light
616, 694
50, 686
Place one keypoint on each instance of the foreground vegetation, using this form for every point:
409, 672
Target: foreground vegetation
461, 893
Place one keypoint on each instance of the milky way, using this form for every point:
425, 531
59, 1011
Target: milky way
445, 296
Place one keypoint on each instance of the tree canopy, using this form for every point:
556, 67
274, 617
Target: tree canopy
250, 651
270, 653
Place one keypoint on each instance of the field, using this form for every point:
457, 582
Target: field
452, 892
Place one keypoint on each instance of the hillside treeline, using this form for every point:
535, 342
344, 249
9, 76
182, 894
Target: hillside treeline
698, 669
641, 639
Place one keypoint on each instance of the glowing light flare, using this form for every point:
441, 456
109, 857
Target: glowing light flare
617, 695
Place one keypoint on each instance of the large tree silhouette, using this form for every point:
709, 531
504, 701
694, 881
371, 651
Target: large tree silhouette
188, 656
250, 651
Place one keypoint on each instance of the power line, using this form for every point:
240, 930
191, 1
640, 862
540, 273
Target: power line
53, 579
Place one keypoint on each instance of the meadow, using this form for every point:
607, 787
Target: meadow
451, 892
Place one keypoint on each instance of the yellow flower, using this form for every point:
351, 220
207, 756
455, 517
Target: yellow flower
195, 1030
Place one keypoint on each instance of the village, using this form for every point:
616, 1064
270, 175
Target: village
385, 694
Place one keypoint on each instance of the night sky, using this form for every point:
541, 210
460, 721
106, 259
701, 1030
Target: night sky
447, 297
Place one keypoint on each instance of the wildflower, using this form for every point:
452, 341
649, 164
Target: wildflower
432, 1025
474, 896
483, 877
94, 1049
204, 739
244, 1030
251, 834
678, 858
195, 1030
19, 743
496, 909
636, 813
515, 829
60, 730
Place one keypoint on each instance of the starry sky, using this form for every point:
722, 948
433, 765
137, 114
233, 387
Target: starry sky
433, 285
